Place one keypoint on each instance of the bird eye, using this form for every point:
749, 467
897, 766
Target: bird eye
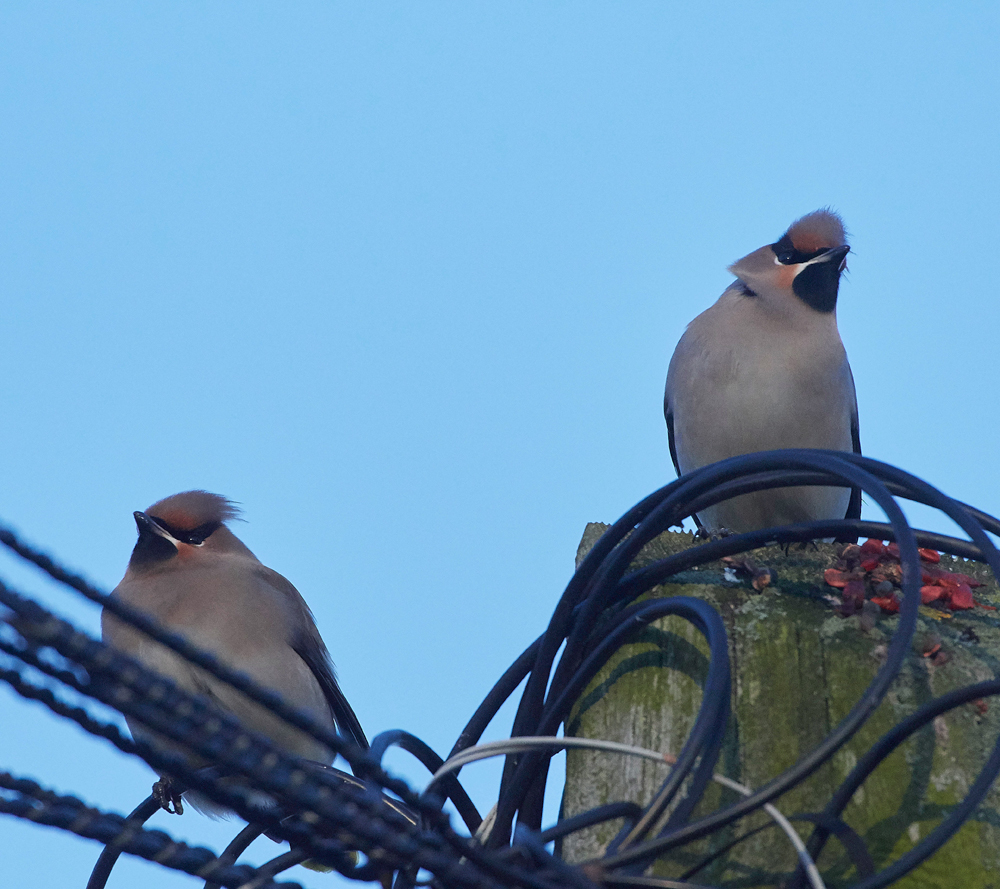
784, 250
197, 536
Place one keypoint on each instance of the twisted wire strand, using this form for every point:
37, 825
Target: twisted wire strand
25, 798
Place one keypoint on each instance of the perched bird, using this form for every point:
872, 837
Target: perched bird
194, 576
764, 368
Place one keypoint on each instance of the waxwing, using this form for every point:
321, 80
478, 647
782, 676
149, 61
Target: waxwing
763, 369
193, 575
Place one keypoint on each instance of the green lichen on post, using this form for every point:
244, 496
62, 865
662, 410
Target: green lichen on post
798, 669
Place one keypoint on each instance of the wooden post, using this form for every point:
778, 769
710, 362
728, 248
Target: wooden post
798, 668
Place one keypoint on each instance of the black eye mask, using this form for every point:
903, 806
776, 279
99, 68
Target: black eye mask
788, 255
194, 537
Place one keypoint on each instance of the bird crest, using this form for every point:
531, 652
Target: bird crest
193, 509
816, 231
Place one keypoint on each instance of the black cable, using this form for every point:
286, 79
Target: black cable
237, 846
715, 699
598, 815
513, 676
648, 850
113, 850
426, 756
874, 756
658, 516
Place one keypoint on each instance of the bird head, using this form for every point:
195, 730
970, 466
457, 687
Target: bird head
182, 525
804, 263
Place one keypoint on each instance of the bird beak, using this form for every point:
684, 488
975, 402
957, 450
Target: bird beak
148, 527
836, 255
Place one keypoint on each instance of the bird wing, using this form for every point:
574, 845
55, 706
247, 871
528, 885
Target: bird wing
854, 506
317, 658
668, 415
307, 643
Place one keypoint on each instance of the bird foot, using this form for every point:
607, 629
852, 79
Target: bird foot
168, 796
801, 545
717, 534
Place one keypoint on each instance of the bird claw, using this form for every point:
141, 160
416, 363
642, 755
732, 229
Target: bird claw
717, 534
168, 796
803, 545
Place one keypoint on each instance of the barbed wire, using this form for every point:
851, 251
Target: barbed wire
374, 825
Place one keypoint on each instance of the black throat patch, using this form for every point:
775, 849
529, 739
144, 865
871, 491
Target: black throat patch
817, 284
151, 549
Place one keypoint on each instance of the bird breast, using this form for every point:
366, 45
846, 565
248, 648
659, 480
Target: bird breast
751, 391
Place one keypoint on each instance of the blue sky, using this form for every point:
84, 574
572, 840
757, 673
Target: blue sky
404, 279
